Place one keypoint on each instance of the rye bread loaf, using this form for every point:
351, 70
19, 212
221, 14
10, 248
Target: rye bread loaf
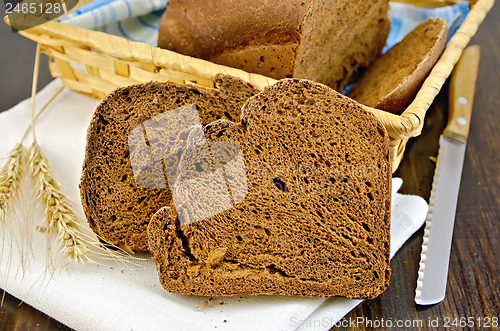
395, 78
308, 177
117, 207
324, 41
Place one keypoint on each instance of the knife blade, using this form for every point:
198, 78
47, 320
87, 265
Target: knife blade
436, 245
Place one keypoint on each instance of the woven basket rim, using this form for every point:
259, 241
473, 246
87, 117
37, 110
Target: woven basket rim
400, 127
410, 121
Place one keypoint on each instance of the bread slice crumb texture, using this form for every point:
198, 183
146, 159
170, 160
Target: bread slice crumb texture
315, 217
117, 208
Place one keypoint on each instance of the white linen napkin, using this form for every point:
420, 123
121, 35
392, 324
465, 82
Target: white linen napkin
114, 296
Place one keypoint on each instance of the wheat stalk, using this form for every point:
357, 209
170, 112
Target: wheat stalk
77, 245
11, 176
58, 213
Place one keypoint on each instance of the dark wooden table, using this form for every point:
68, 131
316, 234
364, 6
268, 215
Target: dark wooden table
473, 283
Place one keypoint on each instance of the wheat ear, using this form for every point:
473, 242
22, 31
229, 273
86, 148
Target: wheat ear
58, 213
11, 177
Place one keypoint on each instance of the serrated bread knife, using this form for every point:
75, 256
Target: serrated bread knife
436, 245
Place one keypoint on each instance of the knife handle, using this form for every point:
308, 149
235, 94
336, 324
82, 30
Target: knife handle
461, 94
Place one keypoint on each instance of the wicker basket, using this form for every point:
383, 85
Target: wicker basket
96, 63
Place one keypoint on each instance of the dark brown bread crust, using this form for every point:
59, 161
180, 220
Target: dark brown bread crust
117, 208
324, 41
395, 78
316, 219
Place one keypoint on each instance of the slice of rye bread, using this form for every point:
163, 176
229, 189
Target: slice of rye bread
117, 208
395, 78
312, 217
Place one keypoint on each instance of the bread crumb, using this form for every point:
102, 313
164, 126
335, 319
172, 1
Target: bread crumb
225, 321
202, 305
121, 271
41, 229
221, 303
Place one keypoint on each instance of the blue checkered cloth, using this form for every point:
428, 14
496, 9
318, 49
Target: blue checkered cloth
405, 18
135, 20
